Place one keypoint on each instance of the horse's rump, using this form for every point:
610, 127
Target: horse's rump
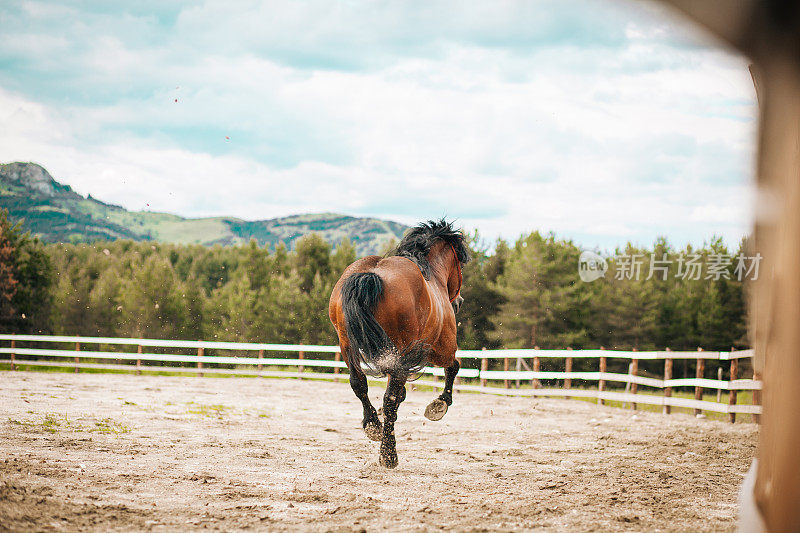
370, 347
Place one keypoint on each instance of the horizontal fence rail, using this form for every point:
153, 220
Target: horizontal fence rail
595, 354
480, 378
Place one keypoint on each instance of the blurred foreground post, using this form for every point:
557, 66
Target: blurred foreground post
767, 32
77, 359
200, 352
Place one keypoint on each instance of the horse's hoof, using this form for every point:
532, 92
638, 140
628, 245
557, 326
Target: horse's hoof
388, 460
373, 430
436, 409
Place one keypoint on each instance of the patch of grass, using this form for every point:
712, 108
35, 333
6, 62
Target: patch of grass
215, 410
108, 425
52, 423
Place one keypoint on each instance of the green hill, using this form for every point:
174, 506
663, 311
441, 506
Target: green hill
56, 213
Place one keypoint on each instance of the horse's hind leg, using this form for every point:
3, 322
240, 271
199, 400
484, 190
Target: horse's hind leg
438, 407
371, 423
395, 393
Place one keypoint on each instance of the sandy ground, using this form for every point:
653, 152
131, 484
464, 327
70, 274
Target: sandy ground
121, 452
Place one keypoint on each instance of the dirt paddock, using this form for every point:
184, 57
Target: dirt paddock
123, 452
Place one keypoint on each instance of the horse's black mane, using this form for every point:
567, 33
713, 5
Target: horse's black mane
417, 242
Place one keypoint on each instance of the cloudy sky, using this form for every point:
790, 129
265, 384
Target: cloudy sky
600, 120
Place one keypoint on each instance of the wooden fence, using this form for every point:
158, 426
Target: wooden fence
525, 380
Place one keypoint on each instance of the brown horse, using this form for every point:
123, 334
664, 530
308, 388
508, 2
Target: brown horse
396, 314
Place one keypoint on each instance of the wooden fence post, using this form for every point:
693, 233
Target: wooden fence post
698, 390
719, 378
506, 383
13, 345
301, 355
633, 370
536, 365
732, 393
756, 397
667, 390
568, 369
139, 361
77, 359
484, 367
200, 352
601, 383
337, 357
260, 356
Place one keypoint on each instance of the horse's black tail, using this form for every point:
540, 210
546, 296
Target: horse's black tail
371, 349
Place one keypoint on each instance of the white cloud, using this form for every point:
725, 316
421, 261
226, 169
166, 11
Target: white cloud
627, 132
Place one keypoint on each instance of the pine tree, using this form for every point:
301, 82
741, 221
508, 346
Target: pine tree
152, 302
544, 299
26, 278
8, 282
312, 257
482, 299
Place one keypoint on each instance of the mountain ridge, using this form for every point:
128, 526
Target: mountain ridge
56, 213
